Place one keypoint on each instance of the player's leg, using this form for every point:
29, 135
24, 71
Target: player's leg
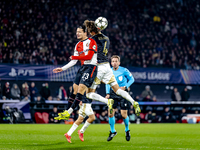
87, 110
112, 121
73, 128
124, 104
85, 126
79, 97
72, 95
125, 95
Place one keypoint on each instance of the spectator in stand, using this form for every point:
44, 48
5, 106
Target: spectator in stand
103, 117
61, 93
3, 98
69, 91
185, 95
132, 116
0, 89
25, 90
97, 120
167, 116
147, 38
26, 99
175, 96
33, 91
6, 90
45, 91
52, 115
183, 114
150, 117
15, 92
50, 98
147, 94
196, 112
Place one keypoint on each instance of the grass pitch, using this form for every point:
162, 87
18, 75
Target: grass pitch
143, 136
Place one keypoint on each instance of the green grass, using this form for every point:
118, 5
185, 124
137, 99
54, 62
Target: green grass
143, 136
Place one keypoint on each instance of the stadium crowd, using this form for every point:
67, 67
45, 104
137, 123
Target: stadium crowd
145, 33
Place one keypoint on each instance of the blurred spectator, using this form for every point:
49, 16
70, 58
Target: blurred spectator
147, 94
3, 98
185, 95
0, 89
39, 100
97, 120
196, 112
175, 96
39, 37
103, 117
6, 90
45, 91
61, 93
52, 115
183, 114
25, 90
167, 116
154, 99
132, 116
26, 99
33, 91
150, 117
50, 98
15, 92
69, 91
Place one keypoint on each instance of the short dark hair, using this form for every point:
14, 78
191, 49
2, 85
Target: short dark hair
91, 26
83, 27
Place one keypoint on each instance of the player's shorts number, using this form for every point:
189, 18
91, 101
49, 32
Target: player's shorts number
85, 76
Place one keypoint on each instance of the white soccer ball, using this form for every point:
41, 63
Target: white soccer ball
101, 23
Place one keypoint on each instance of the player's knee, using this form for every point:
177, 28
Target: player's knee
124, 115
111, 115
89, 95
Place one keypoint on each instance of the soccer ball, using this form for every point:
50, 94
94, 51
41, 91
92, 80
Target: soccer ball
101, 23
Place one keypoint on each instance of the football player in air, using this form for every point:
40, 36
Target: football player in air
85, 51
105, 73
124, 79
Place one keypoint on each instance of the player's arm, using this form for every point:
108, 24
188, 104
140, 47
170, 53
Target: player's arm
130, 78
69, 65
107, 91
92, 50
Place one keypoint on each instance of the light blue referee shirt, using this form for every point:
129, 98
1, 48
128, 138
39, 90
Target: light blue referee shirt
123, 78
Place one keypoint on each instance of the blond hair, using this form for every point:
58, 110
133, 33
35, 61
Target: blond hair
115, 56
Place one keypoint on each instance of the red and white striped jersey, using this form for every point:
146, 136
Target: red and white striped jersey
81, 52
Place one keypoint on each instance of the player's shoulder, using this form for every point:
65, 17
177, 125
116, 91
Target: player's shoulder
123, 69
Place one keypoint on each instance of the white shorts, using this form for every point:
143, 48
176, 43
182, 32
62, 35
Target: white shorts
105, 75
85, 110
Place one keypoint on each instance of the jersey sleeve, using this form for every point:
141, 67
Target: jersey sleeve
107, 89
93, 45
129, 76
86, 57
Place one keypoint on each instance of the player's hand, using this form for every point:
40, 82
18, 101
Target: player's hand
57, 70
70, 57
123, 88
107, 96
80, 103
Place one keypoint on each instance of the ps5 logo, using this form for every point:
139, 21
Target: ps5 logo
24, 72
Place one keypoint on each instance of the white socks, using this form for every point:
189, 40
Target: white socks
125, 95
96, 97
72, 129
70, 110
85, 126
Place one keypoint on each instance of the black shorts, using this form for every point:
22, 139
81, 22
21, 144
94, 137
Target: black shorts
86, 75
119, 101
